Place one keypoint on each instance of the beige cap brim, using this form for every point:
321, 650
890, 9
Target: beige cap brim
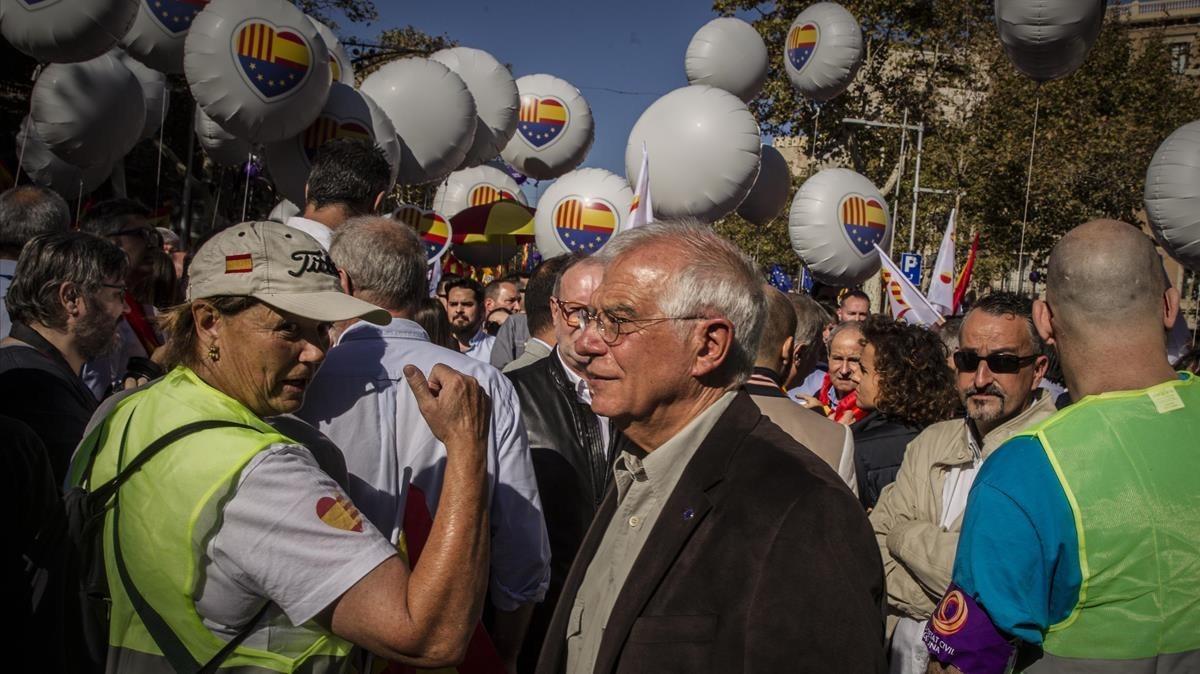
326, 306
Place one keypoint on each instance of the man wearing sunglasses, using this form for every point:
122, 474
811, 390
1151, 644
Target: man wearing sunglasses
999, 363
724, 544
1079, 545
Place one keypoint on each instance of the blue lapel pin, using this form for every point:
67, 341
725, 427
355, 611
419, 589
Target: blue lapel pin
688, 514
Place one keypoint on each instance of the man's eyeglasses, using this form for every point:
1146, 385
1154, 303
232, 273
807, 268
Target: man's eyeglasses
999, 363
610, 327
569, 310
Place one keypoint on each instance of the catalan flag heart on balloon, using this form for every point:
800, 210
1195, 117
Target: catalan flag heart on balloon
801, 43
175, 16
864, 220
584, 225
486, 193
327, 128
542, 119
275, 60
434, 230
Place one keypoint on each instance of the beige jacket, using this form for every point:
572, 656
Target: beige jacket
831, 441
918, 555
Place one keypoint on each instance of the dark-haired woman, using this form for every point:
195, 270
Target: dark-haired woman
906, 385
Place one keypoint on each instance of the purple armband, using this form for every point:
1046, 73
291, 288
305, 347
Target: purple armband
960, 633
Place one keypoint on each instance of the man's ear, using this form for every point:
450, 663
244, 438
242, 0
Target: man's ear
1042, 316
1170, 307
787, 354
70, 297
714, 345
378, 202
345, 281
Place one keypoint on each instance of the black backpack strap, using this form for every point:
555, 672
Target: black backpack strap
168, 642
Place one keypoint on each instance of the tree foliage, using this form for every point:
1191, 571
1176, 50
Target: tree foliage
940, 61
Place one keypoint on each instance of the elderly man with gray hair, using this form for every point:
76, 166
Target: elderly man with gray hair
723, 545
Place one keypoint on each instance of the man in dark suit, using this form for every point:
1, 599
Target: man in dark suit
722, 545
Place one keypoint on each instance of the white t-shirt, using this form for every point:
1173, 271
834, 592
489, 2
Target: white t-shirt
316, 230
289, 534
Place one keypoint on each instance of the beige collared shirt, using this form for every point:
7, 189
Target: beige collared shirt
644, 483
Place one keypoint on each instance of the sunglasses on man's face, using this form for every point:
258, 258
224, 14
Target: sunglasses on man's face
998, 363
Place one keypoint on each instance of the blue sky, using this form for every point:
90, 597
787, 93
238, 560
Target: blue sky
597, 46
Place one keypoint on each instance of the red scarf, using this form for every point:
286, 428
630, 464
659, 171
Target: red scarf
848, 402
136, 318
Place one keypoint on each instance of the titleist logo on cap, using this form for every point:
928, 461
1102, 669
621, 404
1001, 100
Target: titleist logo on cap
316, 261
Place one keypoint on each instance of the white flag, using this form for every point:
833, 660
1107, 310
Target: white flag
908, 304
941, 284
642, 211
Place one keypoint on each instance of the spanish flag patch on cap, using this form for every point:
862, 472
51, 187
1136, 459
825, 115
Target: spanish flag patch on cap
238, 264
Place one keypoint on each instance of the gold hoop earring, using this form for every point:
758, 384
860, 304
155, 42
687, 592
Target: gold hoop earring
214, 352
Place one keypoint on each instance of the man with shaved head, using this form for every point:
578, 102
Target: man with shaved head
1080, 543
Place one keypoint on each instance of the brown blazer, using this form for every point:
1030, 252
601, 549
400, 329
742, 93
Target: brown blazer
761, 561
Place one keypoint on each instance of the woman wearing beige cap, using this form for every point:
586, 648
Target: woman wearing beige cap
229, 543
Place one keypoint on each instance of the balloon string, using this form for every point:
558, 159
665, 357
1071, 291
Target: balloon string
246, 196
21, 158
1037, 103
217, 202
812, 154
162, 123
79, 201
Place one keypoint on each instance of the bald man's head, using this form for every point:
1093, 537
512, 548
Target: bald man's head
1106, 276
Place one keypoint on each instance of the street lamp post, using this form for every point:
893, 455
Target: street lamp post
919, 127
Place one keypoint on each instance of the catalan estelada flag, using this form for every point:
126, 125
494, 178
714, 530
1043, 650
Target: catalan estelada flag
584, 225
485, 193
327, 128
541, 120
801, 43
941, 285
865, 221
276, 61
908, 304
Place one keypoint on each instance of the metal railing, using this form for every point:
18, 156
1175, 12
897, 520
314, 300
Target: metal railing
1154, 9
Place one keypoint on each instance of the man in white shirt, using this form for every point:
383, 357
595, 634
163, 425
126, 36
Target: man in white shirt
348, 178
464, 308
360, 401
25, 212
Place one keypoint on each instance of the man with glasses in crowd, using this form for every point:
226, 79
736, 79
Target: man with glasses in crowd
571, 446
65, 301
1000, 363
724, 545
127, 224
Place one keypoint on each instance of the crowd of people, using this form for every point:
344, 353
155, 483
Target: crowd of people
642, 460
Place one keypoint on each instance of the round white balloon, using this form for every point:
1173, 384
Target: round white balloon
727, 53
222, 147
837, 218
282, 211
496, 100
46, 169
581, 211
770, 192
340, 65
259, 69
704, 152
475, 186
348, 113
90, 113
433, 112
1173, 195
554, 128
823, 51
65, 31
158, 33
1048, 39
155, 94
